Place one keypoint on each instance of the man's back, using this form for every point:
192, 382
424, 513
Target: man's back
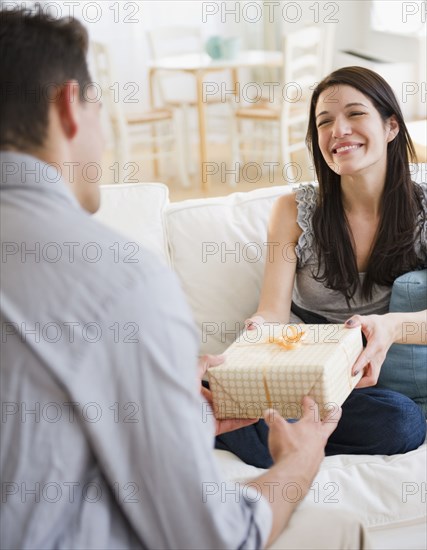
97, 372
57, 282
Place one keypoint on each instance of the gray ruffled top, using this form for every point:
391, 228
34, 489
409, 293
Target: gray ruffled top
312, 295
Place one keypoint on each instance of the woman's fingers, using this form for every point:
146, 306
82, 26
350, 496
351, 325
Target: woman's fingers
253, 322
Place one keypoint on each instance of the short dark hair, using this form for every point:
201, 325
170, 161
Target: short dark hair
39, 54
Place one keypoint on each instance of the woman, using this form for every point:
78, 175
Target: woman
351, 238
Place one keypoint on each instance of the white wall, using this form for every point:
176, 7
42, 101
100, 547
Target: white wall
123, 26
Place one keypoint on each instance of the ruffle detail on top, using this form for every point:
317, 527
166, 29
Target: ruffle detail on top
306, 198
421, 242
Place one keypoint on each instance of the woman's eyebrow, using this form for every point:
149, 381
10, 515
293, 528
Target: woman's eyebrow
348, 105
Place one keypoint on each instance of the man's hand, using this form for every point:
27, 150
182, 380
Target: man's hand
379, 331
221, 426
297, 449
306, 438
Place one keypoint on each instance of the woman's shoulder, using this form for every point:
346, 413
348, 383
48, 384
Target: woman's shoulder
294, 212
299, 204
283, 219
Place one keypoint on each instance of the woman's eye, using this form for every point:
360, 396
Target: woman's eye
356, 114
322, 123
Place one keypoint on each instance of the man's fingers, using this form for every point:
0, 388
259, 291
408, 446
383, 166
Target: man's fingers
207, 361
214, 360
207, 394
331, 420
273, 419
310, 409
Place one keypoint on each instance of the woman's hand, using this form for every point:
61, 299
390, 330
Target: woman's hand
379, 331
221, 426
253, 322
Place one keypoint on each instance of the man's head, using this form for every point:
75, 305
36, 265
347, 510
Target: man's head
48, 107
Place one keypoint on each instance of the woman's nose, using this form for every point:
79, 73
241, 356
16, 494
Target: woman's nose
341, 127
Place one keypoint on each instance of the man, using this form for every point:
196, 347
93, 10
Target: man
98, 366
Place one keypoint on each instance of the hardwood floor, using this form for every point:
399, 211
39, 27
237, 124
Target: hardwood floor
218, 173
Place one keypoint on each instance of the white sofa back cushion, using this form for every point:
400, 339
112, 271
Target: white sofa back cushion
218, 246
136, 211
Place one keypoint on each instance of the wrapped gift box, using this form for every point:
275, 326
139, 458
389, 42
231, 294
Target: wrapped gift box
276, 365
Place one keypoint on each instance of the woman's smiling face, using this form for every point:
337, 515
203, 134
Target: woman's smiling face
352, 135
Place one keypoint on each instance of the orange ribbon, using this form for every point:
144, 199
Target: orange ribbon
289, 341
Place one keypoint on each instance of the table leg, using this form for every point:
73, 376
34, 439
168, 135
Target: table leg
202, 128
234, 76
151, 75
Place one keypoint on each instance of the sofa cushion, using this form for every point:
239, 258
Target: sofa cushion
385, 492
217, 248
136, 211
405, 367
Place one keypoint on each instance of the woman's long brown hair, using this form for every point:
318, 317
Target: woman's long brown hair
393, 250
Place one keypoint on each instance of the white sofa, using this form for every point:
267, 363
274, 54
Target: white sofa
217, 248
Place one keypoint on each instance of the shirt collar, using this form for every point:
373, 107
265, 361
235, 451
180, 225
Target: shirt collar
23, 171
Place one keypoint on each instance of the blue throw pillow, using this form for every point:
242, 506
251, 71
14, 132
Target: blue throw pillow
405, 367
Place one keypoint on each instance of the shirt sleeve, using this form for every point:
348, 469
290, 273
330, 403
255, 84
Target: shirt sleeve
158, 439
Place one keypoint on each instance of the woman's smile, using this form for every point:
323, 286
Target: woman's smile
346, 148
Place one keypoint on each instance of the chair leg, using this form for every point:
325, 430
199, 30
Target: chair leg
154, 150
180, 153
236, 157
186, 139
122, 149
235, 140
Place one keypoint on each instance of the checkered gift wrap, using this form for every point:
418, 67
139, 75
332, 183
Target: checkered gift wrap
259, 373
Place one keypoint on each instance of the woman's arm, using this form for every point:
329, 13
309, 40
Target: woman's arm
381, 332
280, 266
409, 328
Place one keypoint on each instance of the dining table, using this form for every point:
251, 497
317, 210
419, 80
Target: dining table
200, 64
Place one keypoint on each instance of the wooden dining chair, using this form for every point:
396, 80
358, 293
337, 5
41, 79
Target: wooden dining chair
178, 91
156, 129
279, 126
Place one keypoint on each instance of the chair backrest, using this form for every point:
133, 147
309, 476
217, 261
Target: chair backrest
328, 49
303, 54
303, 61
104, 77
165, 41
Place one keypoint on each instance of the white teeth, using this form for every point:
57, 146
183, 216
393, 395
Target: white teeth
346, 148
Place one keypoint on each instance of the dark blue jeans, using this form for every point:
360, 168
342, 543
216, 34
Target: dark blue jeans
374, 421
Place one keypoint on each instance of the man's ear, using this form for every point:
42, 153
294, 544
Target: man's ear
68, 104
393, 127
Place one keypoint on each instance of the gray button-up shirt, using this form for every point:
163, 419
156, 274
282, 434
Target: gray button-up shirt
105, 440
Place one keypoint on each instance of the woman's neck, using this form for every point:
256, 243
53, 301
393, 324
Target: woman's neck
361, 194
